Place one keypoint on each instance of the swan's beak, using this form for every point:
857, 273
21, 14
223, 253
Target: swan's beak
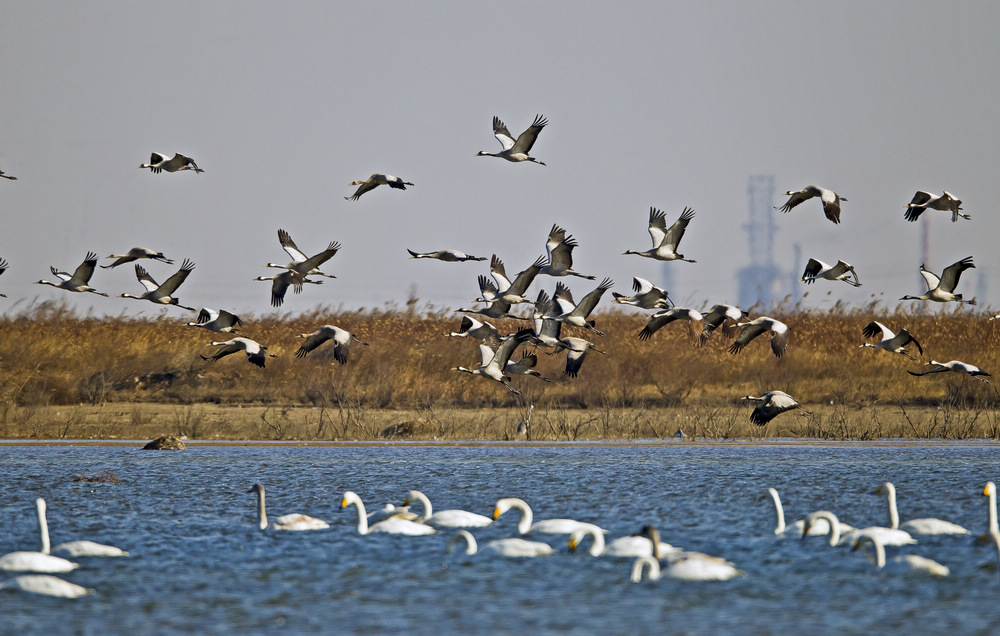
343, 504
496, 514
572, 545
805, 530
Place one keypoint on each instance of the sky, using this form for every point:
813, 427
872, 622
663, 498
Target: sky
649, 104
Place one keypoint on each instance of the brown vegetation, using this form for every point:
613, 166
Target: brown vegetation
62, 375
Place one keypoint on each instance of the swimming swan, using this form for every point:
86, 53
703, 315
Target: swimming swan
26, 561
294, 521
510, 548
901, 563
72, 548
630, 546
689, 566
392, 525
548, 526
819, 528
47, 586
886, 536
445, 518
916, 526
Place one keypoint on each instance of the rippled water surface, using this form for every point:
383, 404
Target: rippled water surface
199, 564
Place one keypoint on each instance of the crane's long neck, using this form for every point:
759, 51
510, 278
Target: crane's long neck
43, 526
261, 512
778, 512
641, 564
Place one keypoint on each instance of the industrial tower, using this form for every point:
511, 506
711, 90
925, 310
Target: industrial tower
759, 281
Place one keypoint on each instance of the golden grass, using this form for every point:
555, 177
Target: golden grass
146, 374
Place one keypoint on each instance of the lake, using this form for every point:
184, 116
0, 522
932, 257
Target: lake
200, 565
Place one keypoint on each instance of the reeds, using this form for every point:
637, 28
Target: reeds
50, 357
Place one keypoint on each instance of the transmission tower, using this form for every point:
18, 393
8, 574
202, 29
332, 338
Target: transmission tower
758, 281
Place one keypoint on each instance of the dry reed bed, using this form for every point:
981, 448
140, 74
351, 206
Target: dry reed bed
50, 357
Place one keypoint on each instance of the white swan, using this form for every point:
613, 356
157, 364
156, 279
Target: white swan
294, 521
886, 536
72, 548
47, 586
630, 546
445, 518
916, 526
510, 548
820, 527
392, 525
994, 531
548, 526
26, 561
688, 566
900, 563
388, 511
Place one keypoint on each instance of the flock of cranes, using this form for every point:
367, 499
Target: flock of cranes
500, 294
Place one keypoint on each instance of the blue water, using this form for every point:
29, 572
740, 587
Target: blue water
199, 564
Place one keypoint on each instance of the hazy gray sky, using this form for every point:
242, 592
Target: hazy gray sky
672, 105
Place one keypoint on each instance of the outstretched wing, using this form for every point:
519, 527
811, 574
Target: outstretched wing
676, 231
170, 285
85, 270
312, 341
527, 139
290, 247
147, 281
502, 134
951, 274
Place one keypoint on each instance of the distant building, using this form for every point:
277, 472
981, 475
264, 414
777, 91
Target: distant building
761, 282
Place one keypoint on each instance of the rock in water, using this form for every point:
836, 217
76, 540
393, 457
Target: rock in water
165, 442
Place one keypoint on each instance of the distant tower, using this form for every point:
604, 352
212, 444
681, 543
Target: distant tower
758, 281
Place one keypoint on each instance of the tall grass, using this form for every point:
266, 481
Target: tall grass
50, 357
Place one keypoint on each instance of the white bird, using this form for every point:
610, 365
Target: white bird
28, 561
79, 280
647, 295
516, 150
946, 202
495, 357
73, 549
220, 321
513, 548
392, 525
525, 424
472, 328
448, 256
525, 366
342, 340
301, 263
831, 200
916, 526
904, 563
819, 527
779, 334
574, 314
681, 564
991, 491
46, 585
887, 536
135, 254
445, 518
629, 546
772, 404
667, 316
547, 332
375, 181
256, 352
294, 521
816, 269
942, 289
895, 343
162, 294
548, 526
7, 176
496, 308
158, 163
724, 316
665, 241
281, 282
559, 248
576, 352
955, 366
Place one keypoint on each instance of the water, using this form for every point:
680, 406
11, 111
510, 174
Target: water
199, 564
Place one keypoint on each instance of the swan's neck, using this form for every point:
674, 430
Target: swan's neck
893, 511
470, 542
43, 527
362, 514
428, 510
778, 512
525, 523
994, 529
640, 564
261, 512
596, 548
877, 548
834, 524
